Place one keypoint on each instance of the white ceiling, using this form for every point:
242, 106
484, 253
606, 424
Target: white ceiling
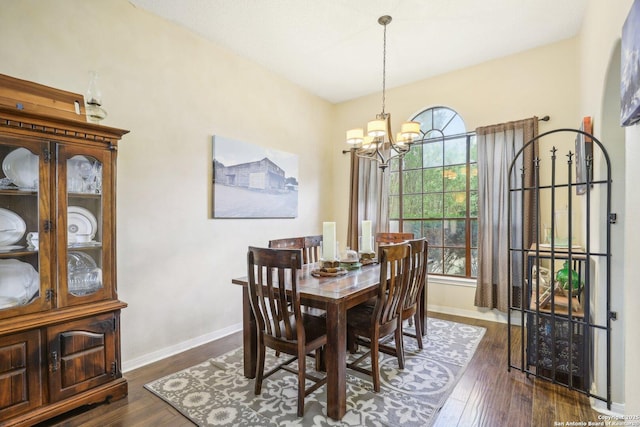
334, 47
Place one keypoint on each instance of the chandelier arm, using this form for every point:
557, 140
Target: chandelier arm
380, 156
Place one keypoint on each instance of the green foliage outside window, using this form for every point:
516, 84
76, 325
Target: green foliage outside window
437, 196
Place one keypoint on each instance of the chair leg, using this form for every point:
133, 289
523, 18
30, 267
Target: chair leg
375, 370
352, 342
321, 363
302, 369
259, 366
399, 346
418, 323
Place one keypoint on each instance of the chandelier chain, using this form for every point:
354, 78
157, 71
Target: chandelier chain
384, 67
379, 144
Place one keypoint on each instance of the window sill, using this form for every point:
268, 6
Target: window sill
454, 281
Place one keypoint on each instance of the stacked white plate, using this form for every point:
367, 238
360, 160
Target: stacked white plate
81, 222
19, 282
21, 166
12, 228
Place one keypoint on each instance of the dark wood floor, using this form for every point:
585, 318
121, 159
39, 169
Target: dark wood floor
486, 395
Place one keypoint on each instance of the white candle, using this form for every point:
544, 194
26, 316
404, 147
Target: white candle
329, 241
366, 237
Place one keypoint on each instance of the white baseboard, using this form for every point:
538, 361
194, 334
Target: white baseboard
481, 314
129, 365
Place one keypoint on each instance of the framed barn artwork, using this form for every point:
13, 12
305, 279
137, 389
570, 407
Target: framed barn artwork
250, 181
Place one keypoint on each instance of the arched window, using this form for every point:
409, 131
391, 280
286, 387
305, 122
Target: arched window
433, 192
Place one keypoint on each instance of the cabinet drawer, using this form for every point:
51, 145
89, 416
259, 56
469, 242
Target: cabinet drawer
19, 373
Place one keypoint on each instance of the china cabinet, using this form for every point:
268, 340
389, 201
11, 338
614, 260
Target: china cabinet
59, 307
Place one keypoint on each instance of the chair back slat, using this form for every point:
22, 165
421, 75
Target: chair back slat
395, 271
312, 249
418, 278
273, 290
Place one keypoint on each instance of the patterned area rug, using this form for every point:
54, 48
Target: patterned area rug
215, 393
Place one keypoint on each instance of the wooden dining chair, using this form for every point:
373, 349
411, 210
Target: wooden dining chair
311, 252
417, 288
411, 305
393, 237
310, 246
281, 324
367, 324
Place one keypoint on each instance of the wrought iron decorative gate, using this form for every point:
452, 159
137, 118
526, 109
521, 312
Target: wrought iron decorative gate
560, 263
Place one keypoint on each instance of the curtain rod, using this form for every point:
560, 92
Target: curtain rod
544, 119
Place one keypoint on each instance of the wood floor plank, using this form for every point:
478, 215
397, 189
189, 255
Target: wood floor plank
521, 402
487, 395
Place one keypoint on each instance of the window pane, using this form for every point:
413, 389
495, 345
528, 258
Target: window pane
455, 232
432, 154
433, 233
474, 233
394, 185
455, 127
473, 204
454, 262
424, 118
394, 207
442, 117
394, 226
394, 164
455, 205
455, 178
474, 262
455, 151
435, 260
414, 227
433, 205
473, 181
412, 206
412, 181
432, 179
473, 149
413, 159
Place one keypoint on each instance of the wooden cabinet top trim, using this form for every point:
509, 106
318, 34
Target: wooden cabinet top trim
37, 320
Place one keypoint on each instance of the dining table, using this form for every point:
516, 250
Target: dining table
335, 294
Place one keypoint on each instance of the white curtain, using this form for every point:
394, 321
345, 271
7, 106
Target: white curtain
497, 148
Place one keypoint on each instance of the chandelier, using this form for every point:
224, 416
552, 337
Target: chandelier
378, 144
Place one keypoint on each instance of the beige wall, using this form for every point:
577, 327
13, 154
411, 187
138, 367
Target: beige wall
174, 91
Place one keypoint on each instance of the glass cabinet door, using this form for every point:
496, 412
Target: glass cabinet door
84, 203
25, 227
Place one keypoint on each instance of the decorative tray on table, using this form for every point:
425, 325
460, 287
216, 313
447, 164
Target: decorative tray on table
329, 272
